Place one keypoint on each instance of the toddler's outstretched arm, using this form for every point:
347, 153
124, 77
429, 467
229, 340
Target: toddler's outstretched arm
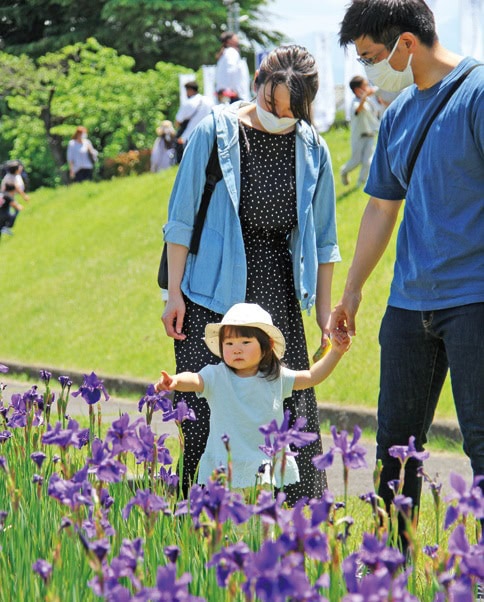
320, 370
185, 381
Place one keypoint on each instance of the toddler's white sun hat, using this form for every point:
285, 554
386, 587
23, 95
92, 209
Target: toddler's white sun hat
245, 314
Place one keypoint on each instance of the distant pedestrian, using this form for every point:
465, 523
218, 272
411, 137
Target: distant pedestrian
232, 79
81, 156
163, 151
364, 124
9, 209
189, 115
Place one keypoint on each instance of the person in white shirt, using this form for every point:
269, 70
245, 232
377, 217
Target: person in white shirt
189, 115
232, 74
364, 124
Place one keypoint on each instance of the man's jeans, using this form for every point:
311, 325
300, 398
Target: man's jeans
417, 349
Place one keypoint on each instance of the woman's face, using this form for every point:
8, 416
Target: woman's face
282, 100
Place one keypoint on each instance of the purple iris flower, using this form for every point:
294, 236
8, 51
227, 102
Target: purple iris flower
374, 553
321, 508
229, 560
374, 587
147, 501
24, 406
45, 375
269, 509
405, 452
171, 479
42, 568
403, 504
218, 503
103, 465
353, 454
91, 389
168, 587
471, 556
180, 413
276, 577
3, 368
3, 463
122, 435
172, 553
285, 435
64, 437
468, 501
37, 479
65, 381
131, 551
38, 457
75, 492
155, 401
300, 535
4, 435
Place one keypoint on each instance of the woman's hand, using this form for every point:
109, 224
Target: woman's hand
174, 315
322, 319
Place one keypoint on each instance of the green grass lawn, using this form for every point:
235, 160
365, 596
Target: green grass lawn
78, 284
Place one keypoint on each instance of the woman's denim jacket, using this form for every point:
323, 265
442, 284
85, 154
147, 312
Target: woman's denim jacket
216, 277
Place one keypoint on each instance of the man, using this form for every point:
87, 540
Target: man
435, 315
189, 115
232, 79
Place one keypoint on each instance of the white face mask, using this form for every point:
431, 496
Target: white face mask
384, 76
273, 124
84, 136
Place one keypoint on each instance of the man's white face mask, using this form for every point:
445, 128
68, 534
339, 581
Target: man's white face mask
383, 75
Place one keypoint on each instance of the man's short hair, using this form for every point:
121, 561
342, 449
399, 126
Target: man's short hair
191, 86
384, 20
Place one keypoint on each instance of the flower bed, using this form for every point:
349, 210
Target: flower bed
87, 514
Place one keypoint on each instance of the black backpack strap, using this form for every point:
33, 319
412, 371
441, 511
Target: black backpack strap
444, 100
213, 174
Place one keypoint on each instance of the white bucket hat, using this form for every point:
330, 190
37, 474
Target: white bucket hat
245, 314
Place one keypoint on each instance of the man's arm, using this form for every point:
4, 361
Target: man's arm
376, 228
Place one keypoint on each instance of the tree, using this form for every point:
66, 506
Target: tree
184, 32
88, 84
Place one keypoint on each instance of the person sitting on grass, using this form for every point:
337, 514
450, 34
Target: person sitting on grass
246, 391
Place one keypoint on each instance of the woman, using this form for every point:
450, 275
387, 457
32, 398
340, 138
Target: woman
163, 153
81, 156
269, 237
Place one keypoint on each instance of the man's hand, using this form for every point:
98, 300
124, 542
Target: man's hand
342, 320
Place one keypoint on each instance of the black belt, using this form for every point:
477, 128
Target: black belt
367, 135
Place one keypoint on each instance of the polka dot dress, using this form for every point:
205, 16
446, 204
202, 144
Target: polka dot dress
268, 215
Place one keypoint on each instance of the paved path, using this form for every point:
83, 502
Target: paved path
439, 463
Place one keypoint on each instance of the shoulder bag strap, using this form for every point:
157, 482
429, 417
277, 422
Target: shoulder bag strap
213, 175
451, 91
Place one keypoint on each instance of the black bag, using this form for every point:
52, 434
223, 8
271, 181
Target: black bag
213, 174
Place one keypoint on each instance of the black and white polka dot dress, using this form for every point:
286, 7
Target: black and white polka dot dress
268, 215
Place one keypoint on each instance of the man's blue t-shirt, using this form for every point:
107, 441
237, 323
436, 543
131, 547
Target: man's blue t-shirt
440, 246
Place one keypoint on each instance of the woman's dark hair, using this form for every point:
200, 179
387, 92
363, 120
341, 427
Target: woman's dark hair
270, 364
384, 20
296, 68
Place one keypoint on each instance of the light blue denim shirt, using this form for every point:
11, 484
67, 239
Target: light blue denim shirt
216, 277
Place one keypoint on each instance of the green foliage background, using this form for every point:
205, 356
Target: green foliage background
78, 284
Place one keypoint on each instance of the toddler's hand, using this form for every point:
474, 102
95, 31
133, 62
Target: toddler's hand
165, 383
341, 341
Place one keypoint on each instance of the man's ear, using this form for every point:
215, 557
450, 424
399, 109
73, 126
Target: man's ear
410, 40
